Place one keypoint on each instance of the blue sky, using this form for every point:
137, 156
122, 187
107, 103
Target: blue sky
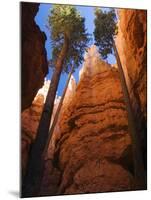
41, 20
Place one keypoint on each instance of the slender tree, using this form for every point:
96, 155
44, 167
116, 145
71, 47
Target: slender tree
105, 26
105, 29
69, 41
57, 114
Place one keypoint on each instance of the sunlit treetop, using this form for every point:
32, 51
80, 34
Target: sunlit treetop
105, 29
65, 21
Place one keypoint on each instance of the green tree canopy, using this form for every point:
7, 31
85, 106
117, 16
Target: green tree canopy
105, 26
65, 21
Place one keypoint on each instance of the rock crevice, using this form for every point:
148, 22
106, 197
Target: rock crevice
34, 65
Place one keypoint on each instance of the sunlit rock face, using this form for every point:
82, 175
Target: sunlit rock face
92, 58
34, 65
52, 174
132, 47
30, 118
62, 114
93, 147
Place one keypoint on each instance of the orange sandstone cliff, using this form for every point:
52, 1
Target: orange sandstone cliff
93, 149
90, 150
131, 42
30, 118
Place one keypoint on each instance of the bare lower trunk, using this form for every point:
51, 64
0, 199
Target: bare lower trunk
57, 114
31, 181
140, 177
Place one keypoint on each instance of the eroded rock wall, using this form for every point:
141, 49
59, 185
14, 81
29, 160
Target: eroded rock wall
131, 42
34, 65
52, 174
30, 118
93, 150
90, 149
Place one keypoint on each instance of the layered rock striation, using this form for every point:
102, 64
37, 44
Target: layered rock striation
93, 147
90, 149
34, 65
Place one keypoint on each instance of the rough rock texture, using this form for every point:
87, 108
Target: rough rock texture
29, 121
132, 46
93, 149
131, 43
90, 150
33, 54
30, 118
52, 175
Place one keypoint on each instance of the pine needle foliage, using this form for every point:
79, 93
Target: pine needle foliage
105, 29
66, 21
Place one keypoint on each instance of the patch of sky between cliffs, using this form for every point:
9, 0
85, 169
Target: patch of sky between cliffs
41, 20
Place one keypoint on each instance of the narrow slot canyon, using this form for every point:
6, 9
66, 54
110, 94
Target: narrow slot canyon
90, 150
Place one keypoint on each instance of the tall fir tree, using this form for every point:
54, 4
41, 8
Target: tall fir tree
105, 25
69, 41
105, 30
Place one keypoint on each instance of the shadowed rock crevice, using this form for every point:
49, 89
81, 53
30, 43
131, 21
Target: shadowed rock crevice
125, 160
34, 65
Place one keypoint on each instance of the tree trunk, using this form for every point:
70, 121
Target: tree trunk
31, 181
140, 177
57, 114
